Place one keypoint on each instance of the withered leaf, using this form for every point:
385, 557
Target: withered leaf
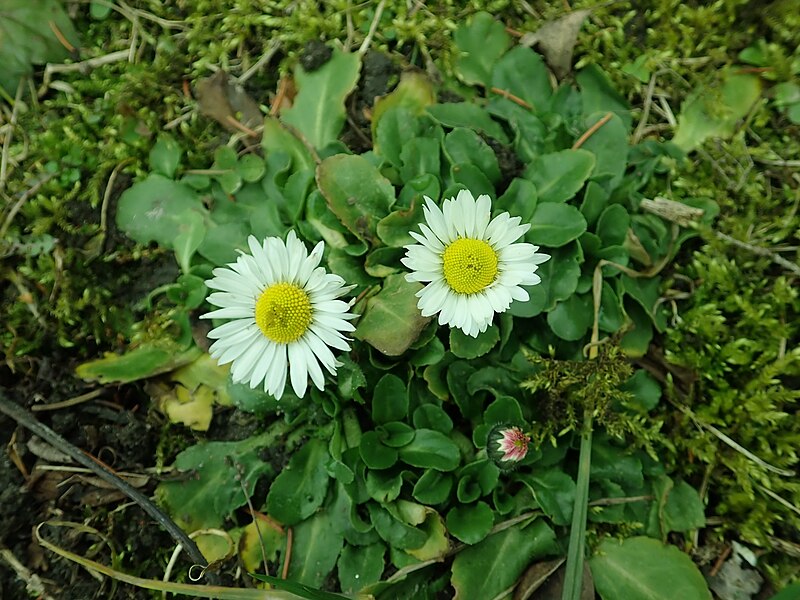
556, 40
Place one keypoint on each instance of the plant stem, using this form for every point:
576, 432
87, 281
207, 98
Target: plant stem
573, 577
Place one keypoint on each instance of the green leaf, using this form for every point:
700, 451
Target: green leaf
393, 530
465, 114
151, 210
221, 242
360, 566
559, 176
189, 236
251, 167
554, 490
519, 200
470, 177
790, 592
616, 464
149, 359
477, 479
684, 509
466, 346
226, 167
389, 400
413, 94
430, 354
559, 277
356, 192
470, 523
431, 450
384, 486
715, 111
433, 487
393, 229
482, 41
392, 321
463, 145
609, 144
318, 111
645, 390
26, 37
594, 202
677, 507
420, 156
555, 225
214, 490
301, 487
534, 87
642, 568
599, 95
431, 416
276, 138
315, 550
572, 318
374, 453
165, 156
189, 291
494, 564
531, 136
612, 226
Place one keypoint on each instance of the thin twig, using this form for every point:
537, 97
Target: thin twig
22, 200
274, 45
509, 96
648, 101
60, 37
776, 258
70, 401
778, 163
107, 197
592, 130
7, 141
27, 420
81, 66
289, 537
372, 28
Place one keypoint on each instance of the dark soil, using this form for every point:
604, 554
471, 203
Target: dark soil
115, 429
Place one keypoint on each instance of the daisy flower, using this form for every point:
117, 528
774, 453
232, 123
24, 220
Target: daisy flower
285, 316
472, 267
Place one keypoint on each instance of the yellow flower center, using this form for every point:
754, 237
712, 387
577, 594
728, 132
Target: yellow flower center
283, 312
469, 265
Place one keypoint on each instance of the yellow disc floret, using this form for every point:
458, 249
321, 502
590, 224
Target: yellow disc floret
283, 312
469, 265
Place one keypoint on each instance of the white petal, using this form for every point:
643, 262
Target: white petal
263, 364
435, 220
298, 369
483, 212
276, 377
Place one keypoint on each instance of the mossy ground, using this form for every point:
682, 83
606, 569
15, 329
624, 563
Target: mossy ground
73, 286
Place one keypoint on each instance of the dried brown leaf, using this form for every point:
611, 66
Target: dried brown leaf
227, 103
556, 40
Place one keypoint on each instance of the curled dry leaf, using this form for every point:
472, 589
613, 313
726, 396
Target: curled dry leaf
227, 103
556, 40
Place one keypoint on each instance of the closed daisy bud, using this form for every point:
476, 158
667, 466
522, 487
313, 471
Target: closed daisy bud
507, 445
472, 266
285, 316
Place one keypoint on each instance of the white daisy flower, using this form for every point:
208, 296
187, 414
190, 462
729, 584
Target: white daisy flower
472, 267
284, 314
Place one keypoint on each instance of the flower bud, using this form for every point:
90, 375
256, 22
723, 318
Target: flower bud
507, 445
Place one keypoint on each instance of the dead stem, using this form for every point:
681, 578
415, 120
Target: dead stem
592, 130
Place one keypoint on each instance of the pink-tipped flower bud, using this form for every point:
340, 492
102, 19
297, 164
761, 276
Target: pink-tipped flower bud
507, 445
